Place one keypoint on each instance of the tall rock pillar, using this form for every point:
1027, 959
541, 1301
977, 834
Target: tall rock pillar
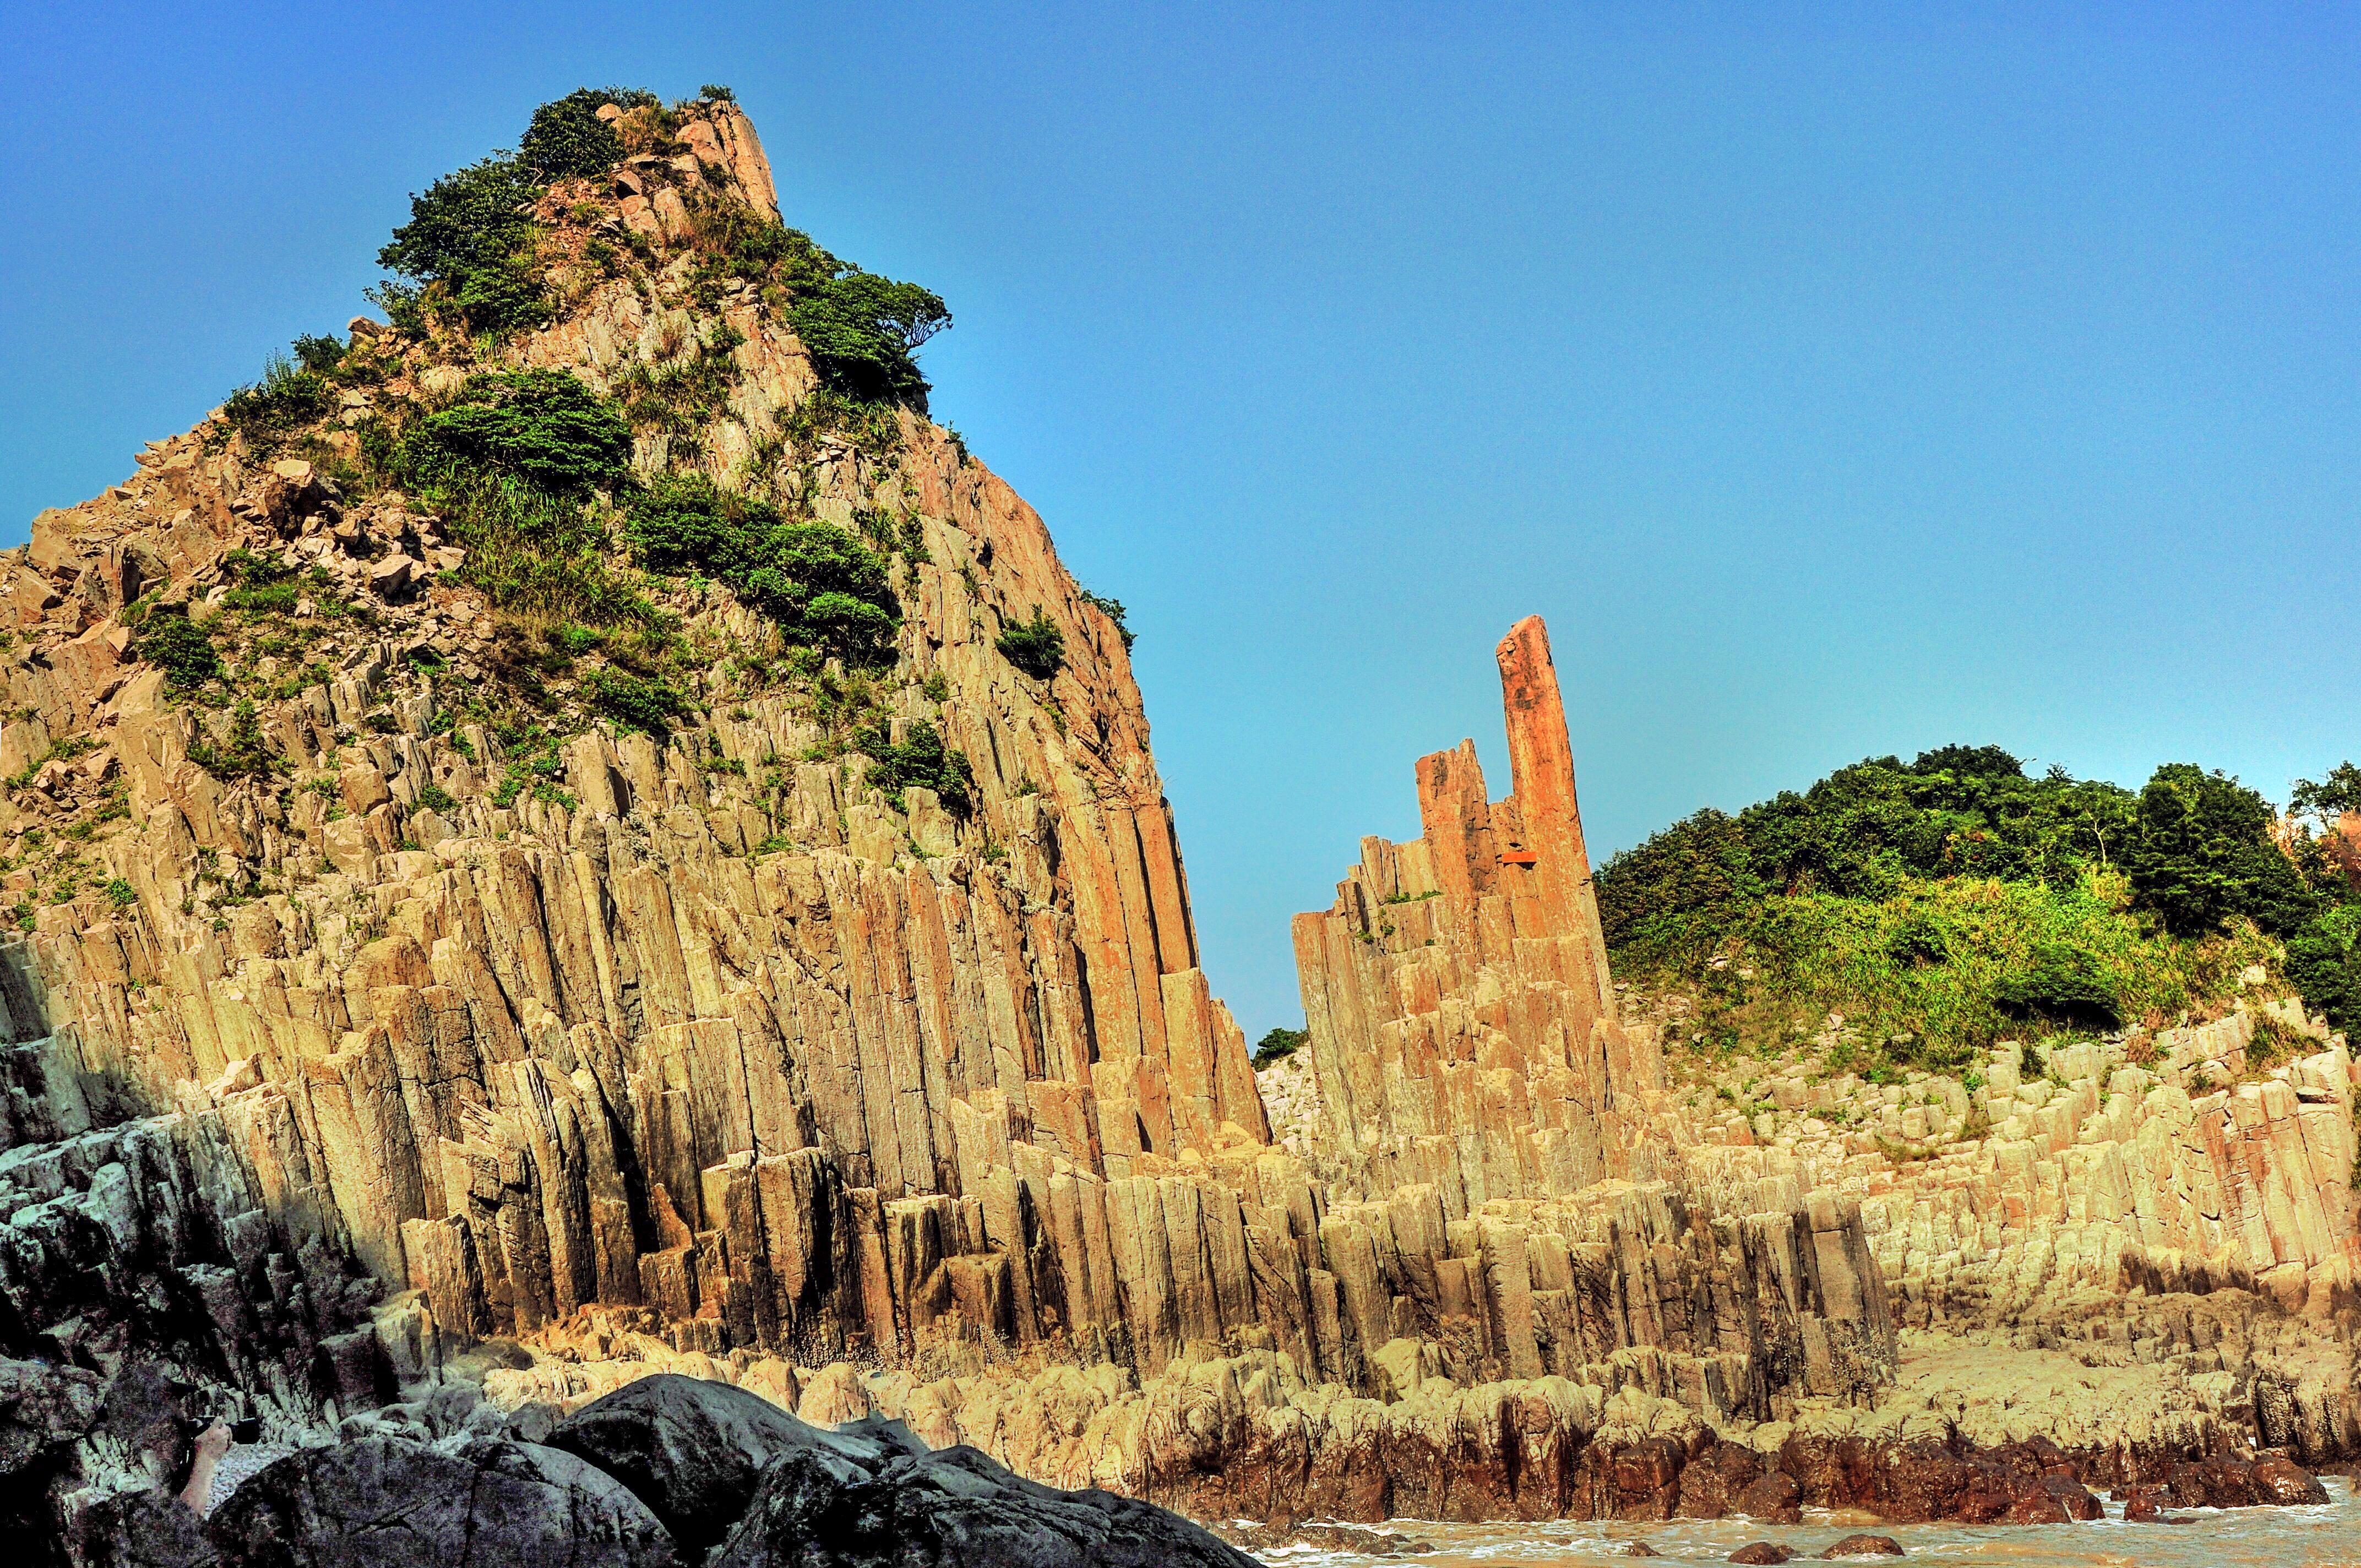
1461, 1017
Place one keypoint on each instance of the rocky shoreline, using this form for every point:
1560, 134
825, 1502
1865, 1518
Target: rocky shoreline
670, 1472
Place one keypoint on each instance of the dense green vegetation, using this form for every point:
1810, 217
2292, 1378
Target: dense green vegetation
645, 703
919, 759
569, 141
544, 429
823, 586
1035, 646
467, 255
169, 639
1941, 904
1277, 1045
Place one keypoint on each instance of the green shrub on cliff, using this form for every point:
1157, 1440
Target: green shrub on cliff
1277, 1044
822, 585
290, 395
567, 139
541, 428
172, 643
636, 702
862, 330
468, 253
1112, 609
1035, 646
514, 468
921, 760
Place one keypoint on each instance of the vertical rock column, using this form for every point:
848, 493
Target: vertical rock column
1461, 1018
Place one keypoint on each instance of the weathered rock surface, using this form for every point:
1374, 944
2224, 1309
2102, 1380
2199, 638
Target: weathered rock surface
693, 1450
383, 1503
851, 1504
2155, 1162
145, 1529
1469, 1060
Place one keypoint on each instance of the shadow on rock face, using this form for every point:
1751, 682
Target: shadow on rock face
143, 1530
384, 1502
819, 1509
694, 1451
724, 1468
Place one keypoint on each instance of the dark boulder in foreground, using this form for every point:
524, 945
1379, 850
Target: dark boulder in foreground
691, 1449
384, 1502
2281, 1481
1864, 1546
143, 1530
828, 1506
1760, 1552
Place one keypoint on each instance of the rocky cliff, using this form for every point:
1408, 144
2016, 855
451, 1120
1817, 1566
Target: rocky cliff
540, 1048
2172, 1209
2137, 1252
1469, 1056
386, 984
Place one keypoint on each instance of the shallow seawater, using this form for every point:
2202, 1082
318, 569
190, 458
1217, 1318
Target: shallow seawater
2322, 1536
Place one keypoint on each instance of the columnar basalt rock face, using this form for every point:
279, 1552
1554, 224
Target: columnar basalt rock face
804, 1063
713, 1037
1477, 1096
1463, 1025
2154, 1163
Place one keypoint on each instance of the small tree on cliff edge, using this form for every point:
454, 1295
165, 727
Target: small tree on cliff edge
2201, 854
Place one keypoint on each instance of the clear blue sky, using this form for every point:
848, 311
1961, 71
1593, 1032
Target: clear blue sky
1836, 380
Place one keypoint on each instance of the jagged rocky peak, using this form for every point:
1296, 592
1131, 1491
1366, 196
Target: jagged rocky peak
581, 793
1471, 949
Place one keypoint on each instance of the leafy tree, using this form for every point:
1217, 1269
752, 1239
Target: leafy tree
541, 428
2201, 854
862, 331
1035, 646
1279, 1044
567, 139
2328, 799
921, 760
179, 646
2323, 960
1970, 761
469, 248
1700, 866
1944, 901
